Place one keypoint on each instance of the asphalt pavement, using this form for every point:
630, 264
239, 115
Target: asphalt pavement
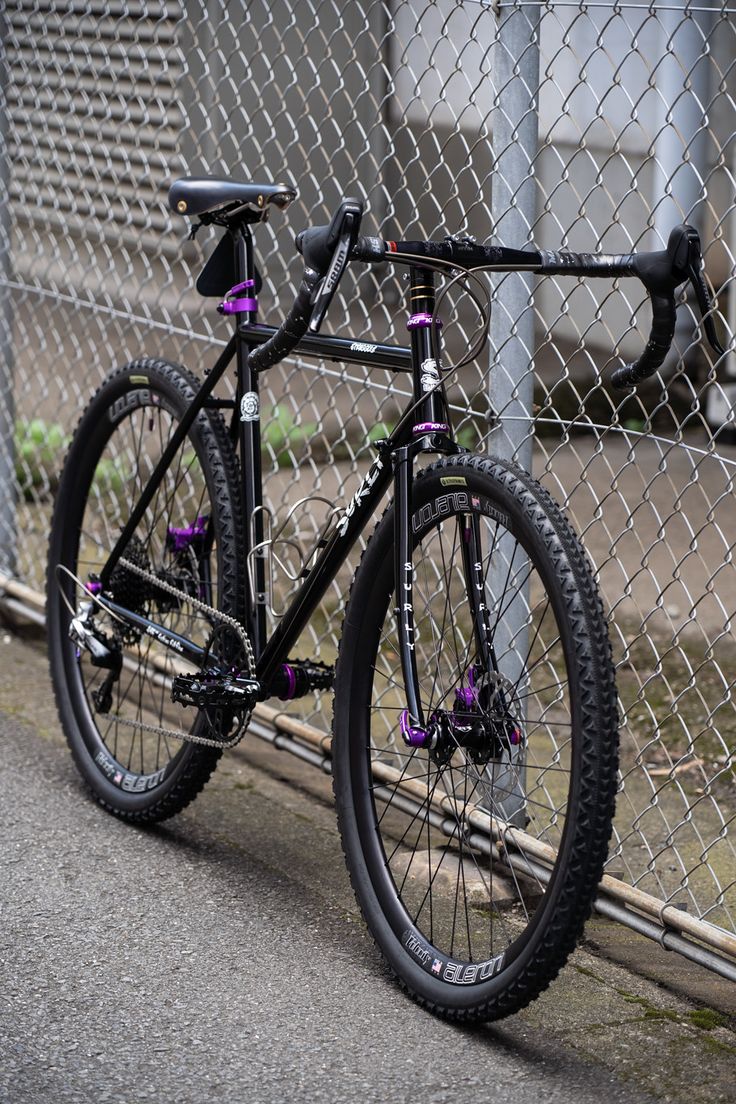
220, 958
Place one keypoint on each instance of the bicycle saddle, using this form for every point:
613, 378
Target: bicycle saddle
210, 195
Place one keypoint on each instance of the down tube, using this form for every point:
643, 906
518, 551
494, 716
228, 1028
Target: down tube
349, 527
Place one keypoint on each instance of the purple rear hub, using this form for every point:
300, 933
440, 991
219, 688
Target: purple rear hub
181, 539
290, 682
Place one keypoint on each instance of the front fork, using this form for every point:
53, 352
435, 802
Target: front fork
469, 536
416, 729
412, 722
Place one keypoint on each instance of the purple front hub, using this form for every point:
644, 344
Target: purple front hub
465, 698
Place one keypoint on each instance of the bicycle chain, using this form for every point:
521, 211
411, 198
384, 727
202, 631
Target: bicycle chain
213, 614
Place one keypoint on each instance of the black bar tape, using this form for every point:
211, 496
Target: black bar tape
587, 264
291, 330
468, 254
660, 339
370, 250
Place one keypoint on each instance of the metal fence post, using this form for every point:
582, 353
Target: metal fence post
681, 144
7, 402
515, 78
515, 125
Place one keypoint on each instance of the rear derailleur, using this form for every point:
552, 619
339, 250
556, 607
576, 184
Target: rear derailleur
104, 652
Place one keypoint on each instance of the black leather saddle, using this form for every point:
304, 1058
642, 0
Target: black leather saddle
216, 199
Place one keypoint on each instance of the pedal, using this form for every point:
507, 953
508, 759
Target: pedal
299, 677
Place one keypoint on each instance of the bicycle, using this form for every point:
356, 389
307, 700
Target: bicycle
475, 726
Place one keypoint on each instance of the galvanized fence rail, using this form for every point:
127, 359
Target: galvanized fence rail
567, 124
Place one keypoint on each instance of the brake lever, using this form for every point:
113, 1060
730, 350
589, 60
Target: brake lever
705, 303
327, 287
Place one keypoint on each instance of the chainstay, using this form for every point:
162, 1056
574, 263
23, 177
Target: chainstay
213, 614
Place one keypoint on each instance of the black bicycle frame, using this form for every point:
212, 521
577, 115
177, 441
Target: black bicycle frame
423, 427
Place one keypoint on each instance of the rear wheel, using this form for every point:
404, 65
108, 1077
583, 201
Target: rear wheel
125, 733
475, 861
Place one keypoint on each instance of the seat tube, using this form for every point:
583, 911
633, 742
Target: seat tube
249, 433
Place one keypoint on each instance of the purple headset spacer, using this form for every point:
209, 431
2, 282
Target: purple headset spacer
430, 427
422, 319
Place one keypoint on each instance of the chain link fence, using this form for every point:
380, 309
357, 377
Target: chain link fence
566, 124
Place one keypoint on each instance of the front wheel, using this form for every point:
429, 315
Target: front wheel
475, 860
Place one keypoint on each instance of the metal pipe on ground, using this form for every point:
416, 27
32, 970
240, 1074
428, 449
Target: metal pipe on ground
670, 927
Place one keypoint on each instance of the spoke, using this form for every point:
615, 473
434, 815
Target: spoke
408, 827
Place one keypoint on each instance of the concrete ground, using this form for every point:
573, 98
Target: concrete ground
220, 957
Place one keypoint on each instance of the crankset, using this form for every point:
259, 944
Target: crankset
222, 689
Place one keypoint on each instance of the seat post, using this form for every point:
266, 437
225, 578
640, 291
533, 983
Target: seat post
249, 435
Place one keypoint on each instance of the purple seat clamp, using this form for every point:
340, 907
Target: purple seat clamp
412, 737
93, 587
237, 306
422, 319
430, 427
